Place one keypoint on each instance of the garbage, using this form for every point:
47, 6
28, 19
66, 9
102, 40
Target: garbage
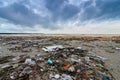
67, 66
5, 59
66, 63
71, 69
50, 61
13, 75
106, 78
79, 47
101, 58
52, 48
117, 48
87, 59
30, 61
16, 58
51, 76
57, 76
15, 65
66, 77
78, 61
5, 66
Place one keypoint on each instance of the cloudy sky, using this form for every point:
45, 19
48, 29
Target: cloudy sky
60, 16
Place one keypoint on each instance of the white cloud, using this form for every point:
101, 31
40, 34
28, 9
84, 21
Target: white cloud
77, 2
94, 3
106, 27
7, 2
38, 7
110, 27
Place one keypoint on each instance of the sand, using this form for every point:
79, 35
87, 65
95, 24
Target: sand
102, 45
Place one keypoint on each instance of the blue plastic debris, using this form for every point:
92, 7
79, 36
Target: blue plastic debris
106, 78
50, 61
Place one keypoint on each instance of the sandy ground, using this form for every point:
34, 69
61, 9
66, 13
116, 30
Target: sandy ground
104, 48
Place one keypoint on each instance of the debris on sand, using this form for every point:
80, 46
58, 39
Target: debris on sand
64, 63
52, 48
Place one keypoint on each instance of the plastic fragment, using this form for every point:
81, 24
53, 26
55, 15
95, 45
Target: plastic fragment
30, 61
50, 61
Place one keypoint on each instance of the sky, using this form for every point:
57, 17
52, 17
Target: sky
60, 16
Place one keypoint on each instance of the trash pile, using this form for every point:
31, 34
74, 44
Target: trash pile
20, 46
23, 45
62, 63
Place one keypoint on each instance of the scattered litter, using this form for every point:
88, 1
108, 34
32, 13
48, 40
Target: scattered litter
106, 78
64, 63
71, 69
57, 76
66, 77
117, 48
5, 66
30, 61
50, 61
79, 47
87, 59
52, 48
67, 66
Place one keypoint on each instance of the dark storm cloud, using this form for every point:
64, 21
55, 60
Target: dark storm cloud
104, 9
54, 5
58, 11
19, 14
1, 3
69, 11
61, 10
110, 9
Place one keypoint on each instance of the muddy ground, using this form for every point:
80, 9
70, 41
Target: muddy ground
105, 46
